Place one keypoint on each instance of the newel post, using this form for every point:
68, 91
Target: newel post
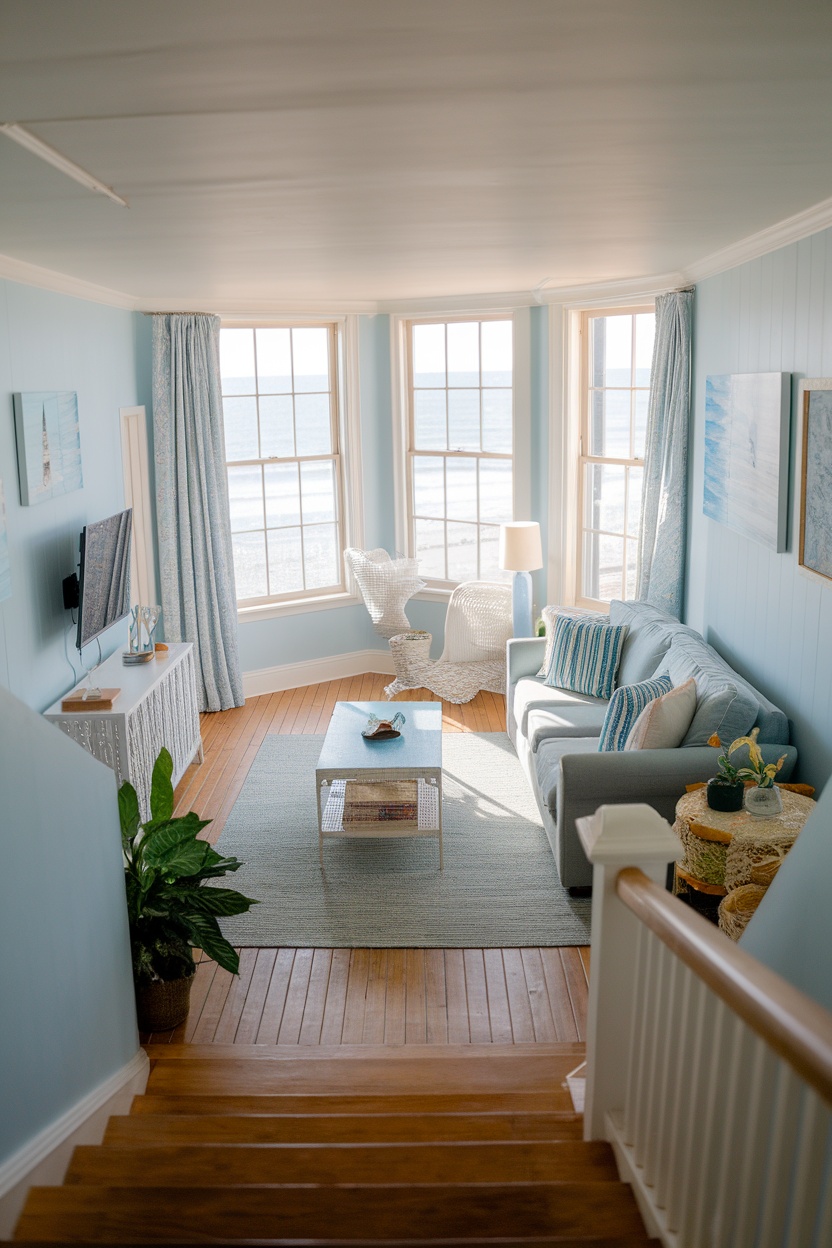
613, 838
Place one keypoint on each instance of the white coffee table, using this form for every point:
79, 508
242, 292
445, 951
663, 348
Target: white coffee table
415, 755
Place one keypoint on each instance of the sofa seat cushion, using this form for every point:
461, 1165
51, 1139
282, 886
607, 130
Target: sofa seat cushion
566, 721
530, 693
547, 765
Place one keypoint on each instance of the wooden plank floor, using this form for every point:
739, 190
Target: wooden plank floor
365, 996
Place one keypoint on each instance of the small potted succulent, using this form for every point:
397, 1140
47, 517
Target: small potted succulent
726, 790
170, 912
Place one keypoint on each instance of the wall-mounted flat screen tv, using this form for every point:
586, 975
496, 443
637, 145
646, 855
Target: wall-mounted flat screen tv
104, 579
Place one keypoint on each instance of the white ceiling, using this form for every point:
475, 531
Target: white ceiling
335, 151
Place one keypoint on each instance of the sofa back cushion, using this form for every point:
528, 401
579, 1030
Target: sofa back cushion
649, 637
726, 704
625, 706
585, 656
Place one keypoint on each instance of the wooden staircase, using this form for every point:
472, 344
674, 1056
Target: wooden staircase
350, 1145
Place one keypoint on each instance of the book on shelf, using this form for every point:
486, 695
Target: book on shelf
381, 802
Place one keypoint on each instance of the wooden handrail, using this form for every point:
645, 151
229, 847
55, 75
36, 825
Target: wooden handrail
795, 1026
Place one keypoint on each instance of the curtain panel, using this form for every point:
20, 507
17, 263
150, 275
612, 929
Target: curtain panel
199, 598
661, 548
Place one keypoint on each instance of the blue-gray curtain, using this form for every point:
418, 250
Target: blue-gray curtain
199, 600
661, 547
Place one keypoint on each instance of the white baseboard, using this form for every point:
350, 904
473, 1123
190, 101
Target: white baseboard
654, 1218
44, 1159
316, 671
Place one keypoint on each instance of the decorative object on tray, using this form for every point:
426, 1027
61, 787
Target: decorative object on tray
384, 729
86, 699
815, 477
381, 802
165, 869
477, 626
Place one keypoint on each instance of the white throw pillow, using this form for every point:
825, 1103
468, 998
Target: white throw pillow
663, 724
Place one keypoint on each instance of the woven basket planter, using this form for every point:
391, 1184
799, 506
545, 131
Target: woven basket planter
706, 850
737, 908
163, 1004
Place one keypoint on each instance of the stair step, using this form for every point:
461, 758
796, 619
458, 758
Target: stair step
339, 1128
246, 1165
347, 1103
266, 1070
358, 1214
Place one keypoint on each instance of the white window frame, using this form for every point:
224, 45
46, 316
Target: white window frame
347, 456
402, 404
567, 398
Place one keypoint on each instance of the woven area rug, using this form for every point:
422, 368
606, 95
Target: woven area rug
499, 886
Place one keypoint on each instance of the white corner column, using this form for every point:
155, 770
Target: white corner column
613, 838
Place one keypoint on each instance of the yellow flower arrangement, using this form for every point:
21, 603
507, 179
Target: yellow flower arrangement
759, 773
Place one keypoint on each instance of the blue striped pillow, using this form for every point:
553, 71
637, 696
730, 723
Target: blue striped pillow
585, 656
626, 704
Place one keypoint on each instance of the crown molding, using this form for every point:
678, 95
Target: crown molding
621, 291
782, 234
63, 284
254, 309
624, 290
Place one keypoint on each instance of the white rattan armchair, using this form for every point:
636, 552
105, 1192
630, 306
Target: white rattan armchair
477, 627
386, 585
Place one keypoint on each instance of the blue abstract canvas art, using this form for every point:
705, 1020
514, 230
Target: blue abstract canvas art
747, 454
48, 444
816, 479
5, 563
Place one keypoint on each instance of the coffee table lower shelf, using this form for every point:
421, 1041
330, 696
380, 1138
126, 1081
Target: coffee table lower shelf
429, 818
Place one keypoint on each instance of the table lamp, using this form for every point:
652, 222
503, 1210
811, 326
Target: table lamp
520, 553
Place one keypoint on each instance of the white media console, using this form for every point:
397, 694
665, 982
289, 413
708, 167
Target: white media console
156, 706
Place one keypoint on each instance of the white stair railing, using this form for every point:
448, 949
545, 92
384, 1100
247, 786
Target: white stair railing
709, 1074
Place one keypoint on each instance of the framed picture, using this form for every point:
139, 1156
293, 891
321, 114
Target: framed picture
48, 444
747, 454
5, 564
815, 477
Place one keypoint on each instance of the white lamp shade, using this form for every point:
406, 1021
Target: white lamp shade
520, 549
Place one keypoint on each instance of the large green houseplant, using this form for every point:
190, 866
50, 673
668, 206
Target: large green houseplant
169, 909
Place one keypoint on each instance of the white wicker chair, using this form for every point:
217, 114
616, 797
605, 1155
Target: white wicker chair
477, 627
386, 585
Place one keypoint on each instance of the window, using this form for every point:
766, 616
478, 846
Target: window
460, 463
617, 351
280, 405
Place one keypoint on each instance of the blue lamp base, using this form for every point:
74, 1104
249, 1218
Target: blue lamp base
521, 604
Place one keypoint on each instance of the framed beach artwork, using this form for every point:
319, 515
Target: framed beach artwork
48, 444
747, 454
5, 563
815, 477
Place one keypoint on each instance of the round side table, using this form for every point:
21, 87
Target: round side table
722, 848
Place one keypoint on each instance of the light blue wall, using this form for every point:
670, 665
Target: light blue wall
770, 620
54, 342
791, 929
67, 1013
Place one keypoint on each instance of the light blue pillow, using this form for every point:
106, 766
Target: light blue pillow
626, 704
585, 656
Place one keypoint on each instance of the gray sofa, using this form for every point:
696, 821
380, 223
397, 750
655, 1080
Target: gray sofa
556, 732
